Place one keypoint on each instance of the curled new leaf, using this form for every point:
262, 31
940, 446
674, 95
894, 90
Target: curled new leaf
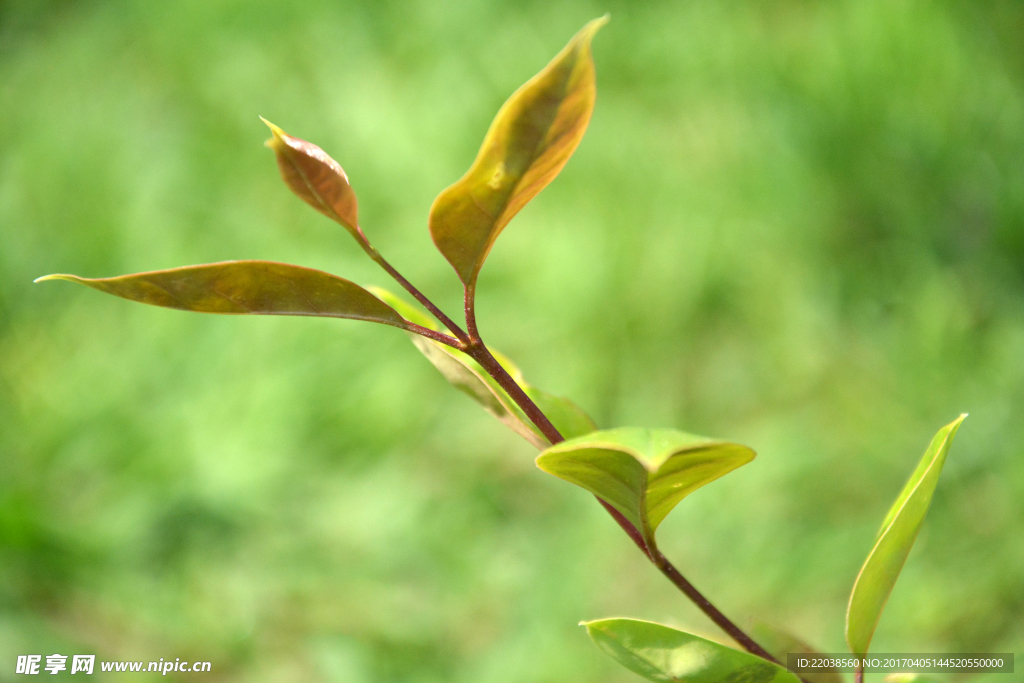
893, 543
530, 140
317, 179
253, 287
642, 473
667, 655
468, 376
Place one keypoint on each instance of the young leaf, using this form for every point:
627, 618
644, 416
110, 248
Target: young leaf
465, 374
247, 287
568, 418
666, 655
893, 542
642, 473
530, 140
317, 179
779, 644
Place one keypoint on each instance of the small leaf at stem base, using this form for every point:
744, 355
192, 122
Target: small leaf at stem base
666, 655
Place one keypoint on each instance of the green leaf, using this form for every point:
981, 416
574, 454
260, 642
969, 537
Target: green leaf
317, 179
530, 140
406, 310
247, 287
780, 643
568, 418
468, 376
892, 544
642, 473
663, 654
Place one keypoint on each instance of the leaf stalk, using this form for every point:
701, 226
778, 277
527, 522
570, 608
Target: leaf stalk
431, 334
459, 333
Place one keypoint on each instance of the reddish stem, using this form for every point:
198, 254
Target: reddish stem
479, 352
418, 295
472, 345
431, 334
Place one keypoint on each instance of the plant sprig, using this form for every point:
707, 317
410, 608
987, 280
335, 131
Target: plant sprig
638, 475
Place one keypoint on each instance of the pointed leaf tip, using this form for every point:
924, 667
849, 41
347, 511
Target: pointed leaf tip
275, 134
530, 140
316, 178
899, 530
61, 276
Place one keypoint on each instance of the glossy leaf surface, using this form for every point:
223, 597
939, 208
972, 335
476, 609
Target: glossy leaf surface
468, 376
779, 644
247, 287
316, 178
893, 543
642, 473
530, 140
667, 655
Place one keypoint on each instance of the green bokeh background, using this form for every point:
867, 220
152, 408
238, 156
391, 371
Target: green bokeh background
797, 225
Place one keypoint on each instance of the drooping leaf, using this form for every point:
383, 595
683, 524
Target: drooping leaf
667, 655
316, 178
468, 376
780, 644
247, 287
530, 140
893, 543
642, 473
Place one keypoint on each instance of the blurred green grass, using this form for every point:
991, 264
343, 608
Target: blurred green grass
798, 225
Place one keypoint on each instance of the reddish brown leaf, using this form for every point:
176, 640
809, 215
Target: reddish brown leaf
530, 140
247, 287
316, 178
